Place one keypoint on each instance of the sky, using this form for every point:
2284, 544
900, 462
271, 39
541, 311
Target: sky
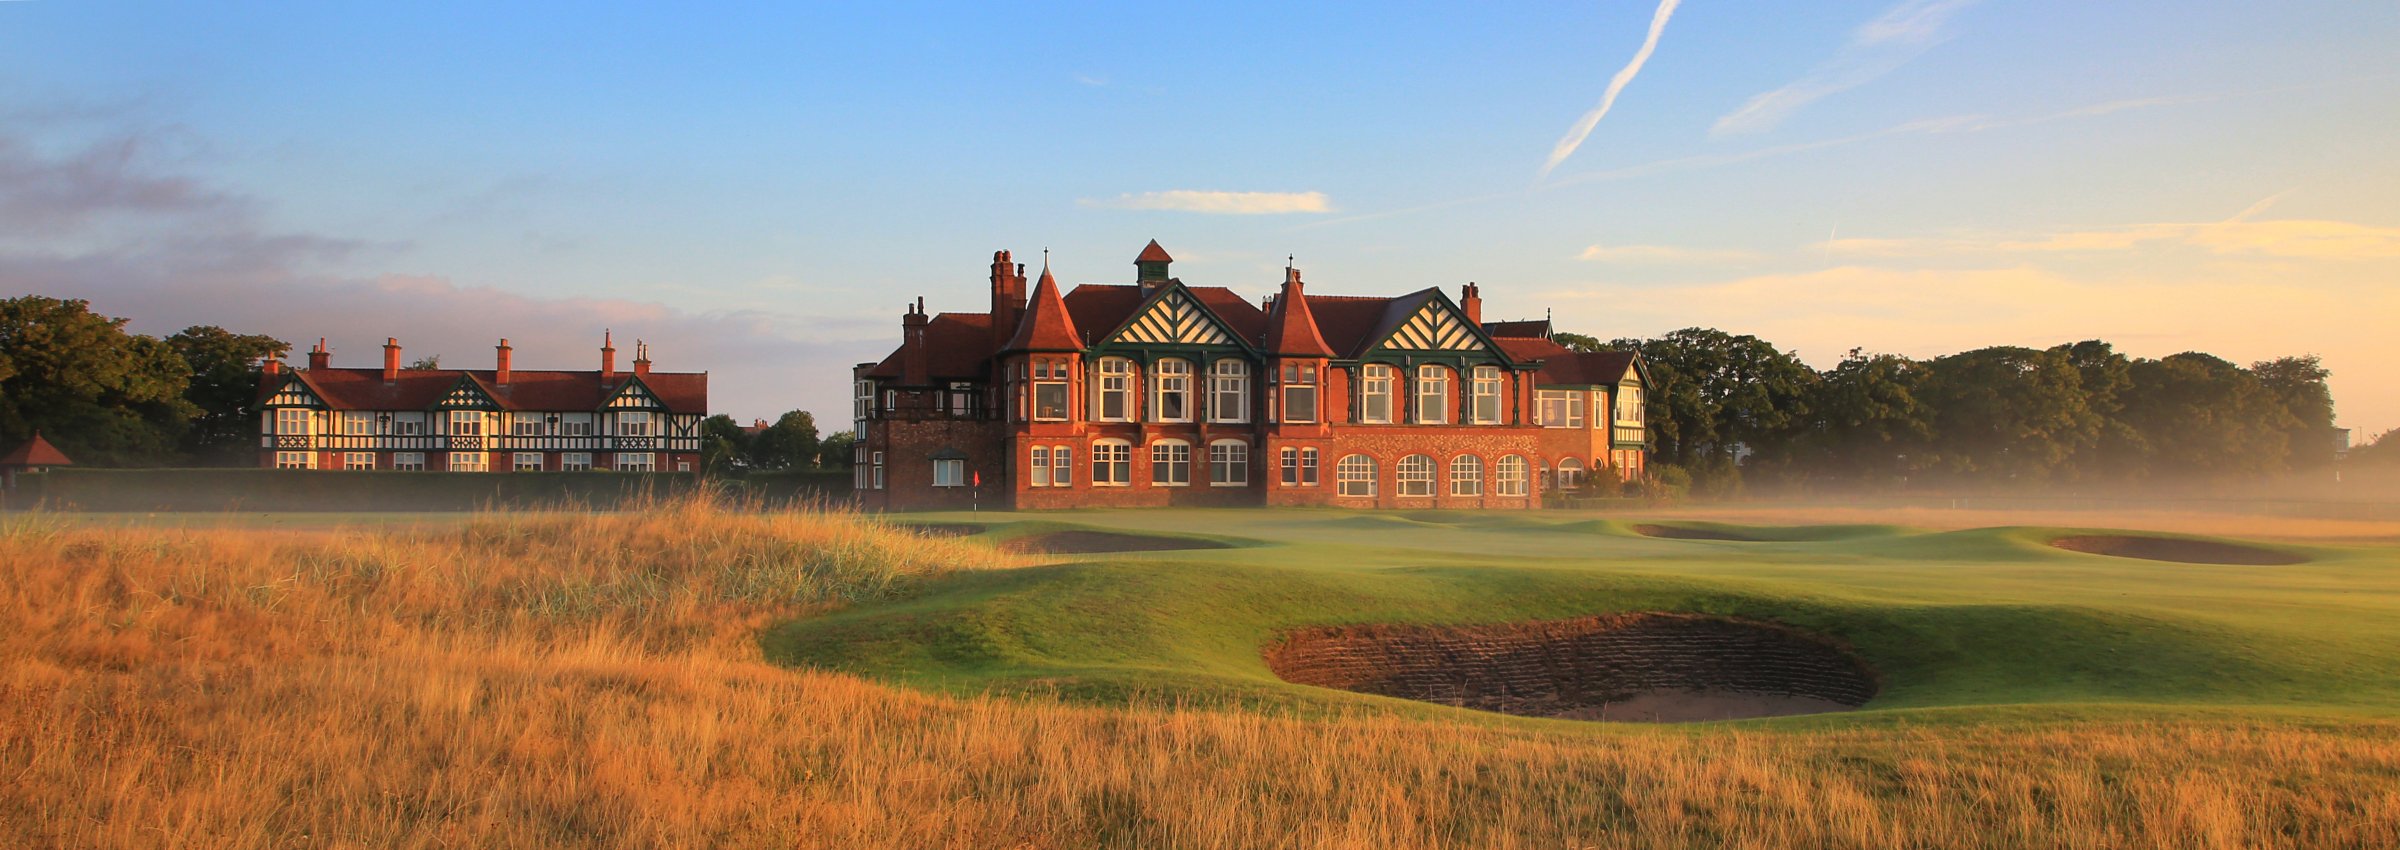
757, 191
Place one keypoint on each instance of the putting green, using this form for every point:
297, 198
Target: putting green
1960, 625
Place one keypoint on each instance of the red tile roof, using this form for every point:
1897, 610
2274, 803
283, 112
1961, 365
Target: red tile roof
1101, 308
1154, 254
1291, 328
1047, 325
420, 389
957, 346
35, 452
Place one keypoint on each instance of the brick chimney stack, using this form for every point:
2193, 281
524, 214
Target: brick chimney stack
500, 373
641, 358
1008, 297
1471, 300
320, 357
391, 359
270, 367
608, 356
913, 369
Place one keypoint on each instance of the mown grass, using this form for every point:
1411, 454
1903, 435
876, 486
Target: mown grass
598, 681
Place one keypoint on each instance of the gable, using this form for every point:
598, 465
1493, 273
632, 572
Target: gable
1176, 318
466, 395
634, 395
293, 393
1436, 327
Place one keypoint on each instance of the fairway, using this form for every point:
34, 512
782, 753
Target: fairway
1960, 624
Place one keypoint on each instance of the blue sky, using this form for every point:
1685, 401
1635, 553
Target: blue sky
757, 190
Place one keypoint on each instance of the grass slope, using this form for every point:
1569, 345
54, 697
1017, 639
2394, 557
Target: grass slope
1961, 621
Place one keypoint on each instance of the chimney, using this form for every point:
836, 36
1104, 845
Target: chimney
1470, 299
912, 345
391, 359
641, 358
1008, 298
319, 357
1150, 267
500, 373
608, 356
270, 367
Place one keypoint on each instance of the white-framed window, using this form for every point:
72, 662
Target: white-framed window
1299, 467
1039, 467
1629, 405
1062, 466
1354, 475
1433, 394
1170, 463
1049, 390
1414, 476
1375, 393
465, 462
408, 423
877, 466
1509, 476
527, 462
295, 460
1299, 393
1570, 474
357, 423
1486, 407
635, 423
408, 461
1112, 463
575, 425
1229, 391
466, 423
1560, 408
526, 425
683, 465
1466, 475
358, 460
1171, 390
575, 462
293, 421
1113, 400
636, 462
862, 403
949, 472
1229, 463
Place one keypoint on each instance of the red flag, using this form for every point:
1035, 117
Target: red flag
978, 478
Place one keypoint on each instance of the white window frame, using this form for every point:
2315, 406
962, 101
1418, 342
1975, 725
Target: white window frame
1050, 375
635, 462
862, 402
1228, 463
1354, 475
408, 461
1229, 391
575, 462
1569, 472
1485, 410
357, 423
1062, 466
1113, 383
1299, 380
1112, 463
295, 460
408, 423
949, 472
636, 423
466, 462
1433, 395
1630, 410
1466, 475
1413, 476
518, 462
1038, 467
1510, 477
1171, 378
466, 423
294, 421
352, 460
877, 466
575, 424
1170, 464
1375, 383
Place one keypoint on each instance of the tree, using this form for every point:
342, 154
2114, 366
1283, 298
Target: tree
430, 361
2205, 419
2383, 451
104, 396
224, 387
723, 445
1869, 423
2117, 449
790, 443
2007, 414
1579, 342
1717, 393
2297, 384
834, 452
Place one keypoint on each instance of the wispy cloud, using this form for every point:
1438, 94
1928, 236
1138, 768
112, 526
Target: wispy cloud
1218, 203
1876, 48
1664, 255
1583, 126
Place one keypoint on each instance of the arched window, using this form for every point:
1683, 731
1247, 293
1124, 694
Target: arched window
1112, 400
1229, 463
1509, 476
1375, 393
1433, 395
1170, 463
1414, 476
1112, 463
1486, 409
1171, 391
1570, 474
1354, 476
1466, 476
1229, 391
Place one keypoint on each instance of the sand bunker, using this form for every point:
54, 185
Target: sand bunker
1677, 532
1651, 667
2177, 550
1088, 542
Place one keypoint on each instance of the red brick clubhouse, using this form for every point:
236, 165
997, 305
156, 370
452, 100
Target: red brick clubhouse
481, 420
1157, 393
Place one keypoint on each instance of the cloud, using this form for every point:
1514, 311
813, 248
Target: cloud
1583, 126
1663, 255
1876, 48
57, 194
2289, 238
1218, 203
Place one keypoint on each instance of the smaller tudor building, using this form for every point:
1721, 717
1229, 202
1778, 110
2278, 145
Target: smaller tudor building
1158, 393
480, 420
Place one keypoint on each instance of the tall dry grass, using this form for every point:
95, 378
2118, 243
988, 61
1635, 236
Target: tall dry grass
594, 681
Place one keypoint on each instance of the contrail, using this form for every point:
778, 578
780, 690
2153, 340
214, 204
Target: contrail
1575, 135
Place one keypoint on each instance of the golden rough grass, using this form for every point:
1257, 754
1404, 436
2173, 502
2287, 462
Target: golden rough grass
579, 681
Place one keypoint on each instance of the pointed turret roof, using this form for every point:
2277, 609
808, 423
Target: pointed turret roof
1154, 254
1291, 328
1047, 326
36, 452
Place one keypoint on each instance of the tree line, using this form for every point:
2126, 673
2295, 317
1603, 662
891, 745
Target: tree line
1734, 410
107, 397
